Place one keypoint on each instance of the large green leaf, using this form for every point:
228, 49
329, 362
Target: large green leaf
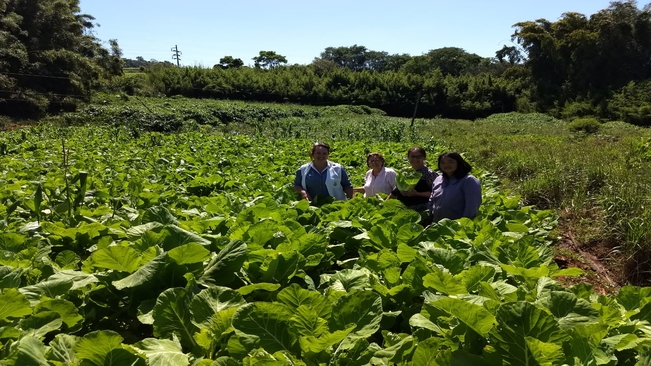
211, 301
38, 325
406, 253
136, 232
12, 242
426, 352
362, 308
189, 253
248, 289
122, 357
473, 276
570, 310
221, 269
414, 275
306, 322
633, 297
282, 267
144, 274
349, 280
177, 237
221, 323
265, 325
383, 235
118, 258
545, 354
516, 322
447, 258
313, 344
79, 279
444, 282
62, 349
159, 214
96, 346
67, 310
31, 352
172, 316
50, 288
162, 352
13, 304
419, 321
474, 316
9, 277
295, 296
68, 260
408, 233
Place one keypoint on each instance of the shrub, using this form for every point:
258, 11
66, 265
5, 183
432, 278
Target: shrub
587, 125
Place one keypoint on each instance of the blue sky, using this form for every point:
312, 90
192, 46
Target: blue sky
206, 30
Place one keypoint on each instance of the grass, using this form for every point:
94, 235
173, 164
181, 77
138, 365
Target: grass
600, 184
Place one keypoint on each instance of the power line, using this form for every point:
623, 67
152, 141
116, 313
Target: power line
177, 55
35, 75
40, 93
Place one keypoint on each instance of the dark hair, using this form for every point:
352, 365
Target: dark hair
375, 155
320, 144
417, 149
463, 168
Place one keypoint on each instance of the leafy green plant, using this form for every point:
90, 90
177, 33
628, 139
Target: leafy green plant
407, 178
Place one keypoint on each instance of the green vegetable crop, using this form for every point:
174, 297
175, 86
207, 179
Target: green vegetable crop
193, 249
407, 178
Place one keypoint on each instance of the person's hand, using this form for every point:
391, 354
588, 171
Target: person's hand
306, 196
410, 193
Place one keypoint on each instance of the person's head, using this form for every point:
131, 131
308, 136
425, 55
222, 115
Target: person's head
416, 156
451, 164
320, 151
375, 160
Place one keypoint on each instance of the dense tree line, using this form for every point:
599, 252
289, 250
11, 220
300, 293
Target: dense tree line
598, 65
49, 59
140, 62
577, 66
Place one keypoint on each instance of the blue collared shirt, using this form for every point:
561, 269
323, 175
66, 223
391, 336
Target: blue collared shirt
454, 198
316, 181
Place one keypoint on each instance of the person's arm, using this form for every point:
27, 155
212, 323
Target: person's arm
345, 184
472, 195
362, 189
414, 193
298, 180
349, 192
391, 178
430, 203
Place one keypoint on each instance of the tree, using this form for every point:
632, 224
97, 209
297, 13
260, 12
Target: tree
353, 57
269, 60
228, 62
453, 60
510, 54
49, 58
580, 57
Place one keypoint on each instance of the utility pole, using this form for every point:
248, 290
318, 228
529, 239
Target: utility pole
415, 109
177, 55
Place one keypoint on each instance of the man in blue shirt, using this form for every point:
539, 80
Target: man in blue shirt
322, 177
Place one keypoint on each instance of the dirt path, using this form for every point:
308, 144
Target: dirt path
570, 254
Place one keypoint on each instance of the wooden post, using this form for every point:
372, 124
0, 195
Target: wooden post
415, 110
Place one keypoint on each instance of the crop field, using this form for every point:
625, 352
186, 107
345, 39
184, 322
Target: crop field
192, 249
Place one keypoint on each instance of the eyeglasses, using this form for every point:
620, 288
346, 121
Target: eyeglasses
374, 161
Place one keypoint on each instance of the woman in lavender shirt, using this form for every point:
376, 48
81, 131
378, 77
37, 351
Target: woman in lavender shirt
379, 179
455, 193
